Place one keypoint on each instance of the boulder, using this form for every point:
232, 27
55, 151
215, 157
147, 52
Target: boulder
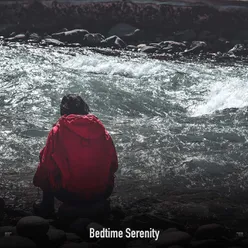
238, 50
149, 49
186, 35
32, 226
114, 41
196, 47
72, 237
210, 231
7, 231
52, 42
122, 29
56, 237
93, 39
172, 238
19, 37
72, 36
79, 227
16, 242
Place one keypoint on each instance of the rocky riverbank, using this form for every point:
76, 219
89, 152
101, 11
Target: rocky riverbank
162, 31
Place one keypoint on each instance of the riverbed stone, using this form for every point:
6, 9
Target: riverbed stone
56, 237
210, 231
16, 242
32, 226
121, 29
79, 227
18, 37
172, 238
74, 238
7, 231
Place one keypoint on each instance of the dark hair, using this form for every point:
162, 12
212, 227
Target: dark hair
73, 104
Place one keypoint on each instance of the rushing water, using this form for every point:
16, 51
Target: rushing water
175, 123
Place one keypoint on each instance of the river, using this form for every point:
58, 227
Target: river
177, 124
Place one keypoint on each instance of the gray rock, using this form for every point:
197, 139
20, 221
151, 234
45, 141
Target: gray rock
139, 243
72, 237
122, 29
32, 226
72, 36
113, 41
35, 38
7, 230
238, 49
131, 48
186, 35
19, 37
203, 243
56, 237
50, 41
210, 231
173, 238
79, 227
135, 36
149, 49
93, 39
16, 242
196, 47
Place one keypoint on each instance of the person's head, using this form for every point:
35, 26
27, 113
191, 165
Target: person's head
73, 104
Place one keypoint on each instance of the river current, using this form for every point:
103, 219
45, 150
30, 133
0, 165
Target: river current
180, 124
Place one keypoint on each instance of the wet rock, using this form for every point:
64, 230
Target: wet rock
114, 41
72, 237
132, 48
19, 37
94, 39
79, 227
172, 238
32, 226
238, 49
140, 46
186, 35
122, 29
35, 38
148, 49
50, 41
56, 237
210, 231
7, 231
135, 36
203, 243
147, 221
196, 47
16, 242
72, 36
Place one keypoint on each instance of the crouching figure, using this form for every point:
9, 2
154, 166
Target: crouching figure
79, 161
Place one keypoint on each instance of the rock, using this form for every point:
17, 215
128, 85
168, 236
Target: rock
94, 39
16, 242
35, 38
138, 243
148, 49
92, 211
72, 237
220, 45
114, 41
238, 50
204, 243
172, 46
72, 36
141, 46
7, 231
196, 47
147, 221
186, 35
210, 231
95, 226
32, 226
135, 36
56, 237
80, 227
19, 37
50, 41
172, 238
131, 48
17, 212
122, 29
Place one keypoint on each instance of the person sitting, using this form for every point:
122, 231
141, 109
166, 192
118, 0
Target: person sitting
79, 161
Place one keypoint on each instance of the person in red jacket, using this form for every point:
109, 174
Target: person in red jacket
79, 160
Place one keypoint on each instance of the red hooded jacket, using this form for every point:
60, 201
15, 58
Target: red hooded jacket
79, 157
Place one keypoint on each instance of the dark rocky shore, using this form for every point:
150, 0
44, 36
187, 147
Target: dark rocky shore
159, 30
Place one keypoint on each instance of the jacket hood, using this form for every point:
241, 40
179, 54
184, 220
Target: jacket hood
86, 126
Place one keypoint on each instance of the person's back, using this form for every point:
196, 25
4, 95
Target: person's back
79, 159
